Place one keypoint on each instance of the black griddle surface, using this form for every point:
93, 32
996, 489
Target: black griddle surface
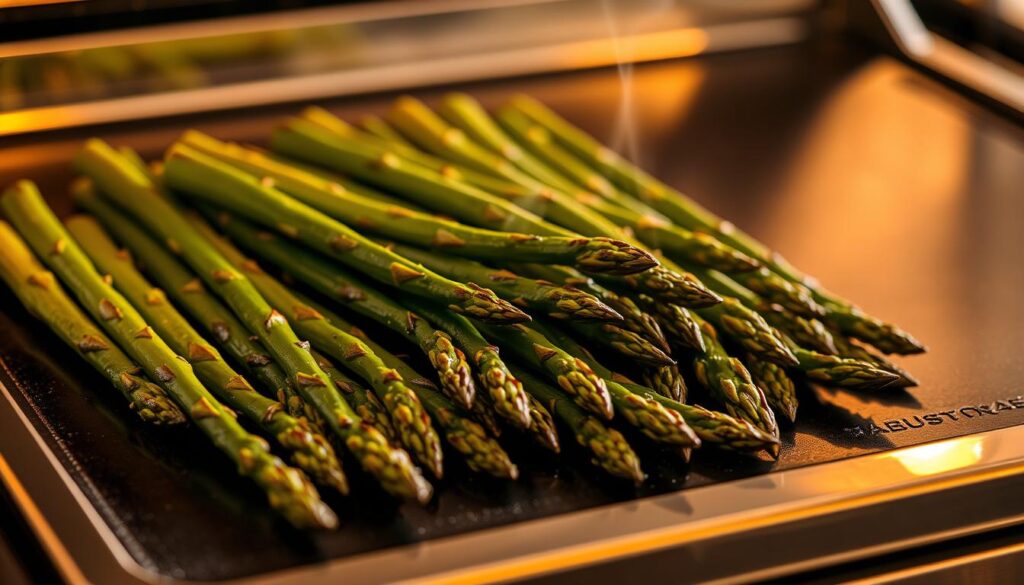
891, 189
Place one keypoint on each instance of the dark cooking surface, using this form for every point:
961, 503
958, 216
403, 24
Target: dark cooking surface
889, 188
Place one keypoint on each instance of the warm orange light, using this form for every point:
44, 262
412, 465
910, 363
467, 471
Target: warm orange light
931, 459
643, 47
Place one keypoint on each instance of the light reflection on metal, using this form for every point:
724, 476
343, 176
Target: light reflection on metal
935, 458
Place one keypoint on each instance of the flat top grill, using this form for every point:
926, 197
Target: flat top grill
892, 190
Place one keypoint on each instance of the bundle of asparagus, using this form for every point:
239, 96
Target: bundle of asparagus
535, 272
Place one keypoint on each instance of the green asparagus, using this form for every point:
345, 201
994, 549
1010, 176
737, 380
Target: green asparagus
848, 349
43, 296
777, 386
309, 450
594, 255
688, 214
608, 448
133, 192
365, 403
287, 489
408, 415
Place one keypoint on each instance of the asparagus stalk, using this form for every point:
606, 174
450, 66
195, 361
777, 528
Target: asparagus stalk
777, 386
594, 255
687, 213
376, 126
848, 349
326, 277
382, 167
714, 428
633, 318
608, 448
666, 380
408, 415
535, 295
133, 192
678, 243
571, 374
464, 112
187, 291
43, 296
287, 489
311, 142
364, 402
729, 382
623, 342
480, 452
504, 390
832, 370
308, 450
542, 425
710, 427
809, 333
207, 179
678, 322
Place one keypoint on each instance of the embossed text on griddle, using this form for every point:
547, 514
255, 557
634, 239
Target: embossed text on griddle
914, 422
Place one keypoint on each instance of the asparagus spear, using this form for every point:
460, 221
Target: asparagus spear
832, 370
211, 181
43, 296
465, 113
687, 213
678, 322
571, 374
364, 402
667, 381
712, 427
408, 415
730, 383
326, 277
535, 295
608, 448
542, 425
309, 450
622, 341
287, 489
809, 333
778, 388
481, 452
309, 142
680, 244
633, 318
376, 126
313, 143
187, 292
848, 349
504, 390
595, 255
133, 191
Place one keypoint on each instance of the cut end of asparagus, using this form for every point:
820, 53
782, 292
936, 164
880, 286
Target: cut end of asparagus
450, 364
151, 403
483, 305
610, 450
311, 453
506, 392
391, 466
607, 256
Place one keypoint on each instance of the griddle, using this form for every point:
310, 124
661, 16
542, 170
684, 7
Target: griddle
893, 190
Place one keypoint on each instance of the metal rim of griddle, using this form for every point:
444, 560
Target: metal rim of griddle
843, 498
